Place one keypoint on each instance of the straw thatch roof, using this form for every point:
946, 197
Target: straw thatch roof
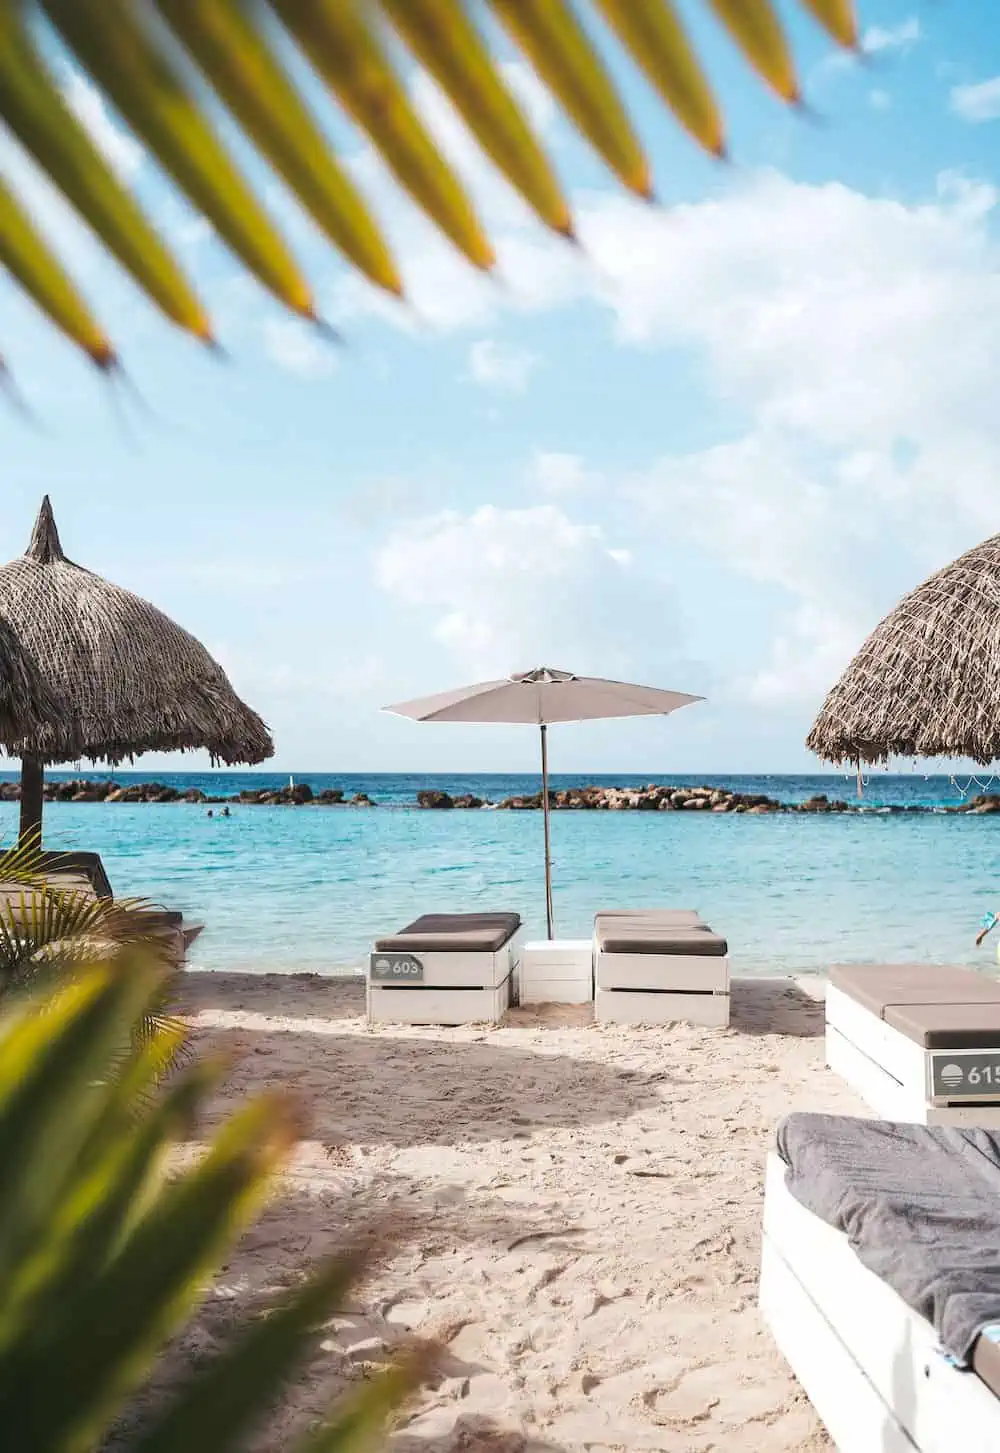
926, 683
120, 677
25, 702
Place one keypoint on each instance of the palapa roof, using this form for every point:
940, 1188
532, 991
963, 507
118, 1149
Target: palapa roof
926, 683
117, 676
25, 703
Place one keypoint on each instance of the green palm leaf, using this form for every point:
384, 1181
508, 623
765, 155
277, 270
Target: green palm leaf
103, 1255
164, 64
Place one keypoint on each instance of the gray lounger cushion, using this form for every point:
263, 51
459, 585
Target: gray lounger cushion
453, 933
920, 1206
681, 917
656, 932
939, 1006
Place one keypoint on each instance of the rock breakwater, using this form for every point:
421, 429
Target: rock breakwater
658, 797
84, 790
655, 797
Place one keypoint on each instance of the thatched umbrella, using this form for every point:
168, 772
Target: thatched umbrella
119, 677
926, 683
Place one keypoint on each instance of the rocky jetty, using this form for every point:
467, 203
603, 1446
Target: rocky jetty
84, 790
655, 797
984, 802
434, 797
301, 795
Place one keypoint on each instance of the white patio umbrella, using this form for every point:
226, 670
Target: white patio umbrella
538, 698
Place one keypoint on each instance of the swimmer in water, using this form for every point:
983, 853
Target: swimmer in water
209, 813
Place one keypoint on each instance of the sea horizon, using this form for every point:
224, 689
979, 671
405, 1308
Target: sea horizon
399, 787
286, 889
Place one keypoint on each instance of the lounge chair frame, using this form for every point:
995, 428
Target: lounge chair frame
458, 986
871, 1367
661, 988
894, 1074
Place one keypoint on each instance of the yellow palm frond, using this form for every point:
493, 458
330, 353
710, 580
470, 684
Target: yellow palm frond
168, 67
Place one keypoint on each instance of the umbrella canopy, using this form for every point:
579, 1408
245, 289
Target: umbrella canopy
538, 698
542, 696
121, 678
926, 683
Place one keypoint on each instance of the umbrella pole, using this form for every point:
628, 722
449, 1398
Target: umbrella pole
545, 819
32, 783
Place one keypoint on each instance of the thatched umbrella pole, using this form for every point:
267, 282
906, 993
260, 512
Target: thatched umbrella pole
98, 673
32, 796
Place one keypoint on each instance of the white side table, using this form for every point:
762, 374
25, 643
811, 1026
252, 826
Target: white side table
557, 971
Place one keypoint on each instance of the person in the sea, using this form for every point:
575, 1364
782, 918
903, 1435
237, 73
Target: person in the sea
225, 812
209, 813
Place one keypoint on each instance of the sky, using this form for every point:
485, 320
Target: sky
708, 450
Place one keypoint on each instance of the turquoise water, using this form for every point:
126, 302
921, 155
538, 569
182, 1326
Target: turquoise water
287, 888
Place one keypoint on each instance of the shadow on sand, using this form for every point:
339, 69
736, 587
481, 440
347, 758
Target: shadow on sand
297, 1230
775, 1006
383, 1090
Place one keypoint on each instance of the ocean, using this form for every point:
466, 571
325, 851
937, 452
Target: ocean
284, 888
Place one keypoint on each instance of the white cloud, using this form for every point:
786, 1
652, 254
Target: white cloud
862, 337
879, 100
859, 333
767, 511
821, 308
497, 367
298, 348
977, 102
902, 37
508, 589
876, 40
118, 146
559, 473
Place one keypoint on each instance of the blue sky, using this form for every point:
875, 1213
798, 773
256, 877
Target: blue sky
709, 453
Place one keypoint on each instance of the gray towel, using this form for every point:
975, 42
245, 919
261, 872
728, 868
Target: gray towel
920, 1206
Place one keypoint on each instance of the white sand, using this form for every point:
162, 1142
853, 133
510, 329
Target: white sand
581, 1208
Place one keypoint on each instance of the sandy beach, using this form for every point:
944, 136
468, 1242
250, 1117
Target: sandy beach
579, 1212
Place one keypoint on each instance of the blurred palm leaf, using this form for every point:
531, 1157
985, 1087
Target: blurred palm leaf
166, 66
103, 1255
47, 934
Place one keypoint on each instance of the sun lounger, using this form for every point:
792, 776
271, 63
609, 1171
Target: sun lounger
84, 873
880, 1280
445, 968
653, 966
918, 1042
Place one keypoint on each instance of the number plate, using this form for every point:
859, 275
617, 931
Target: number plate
961, 1076
395, 969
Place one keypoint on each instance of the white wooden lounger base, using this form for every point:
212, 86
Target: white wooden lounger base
397, 1004
871, 1367
661, 989
458, 986
893, 1074
637, 1006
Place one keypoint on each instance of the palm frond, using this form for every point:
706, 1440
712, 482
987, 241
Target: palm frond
49, 936
103, 1255
43, 928
168, 66
25, 863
